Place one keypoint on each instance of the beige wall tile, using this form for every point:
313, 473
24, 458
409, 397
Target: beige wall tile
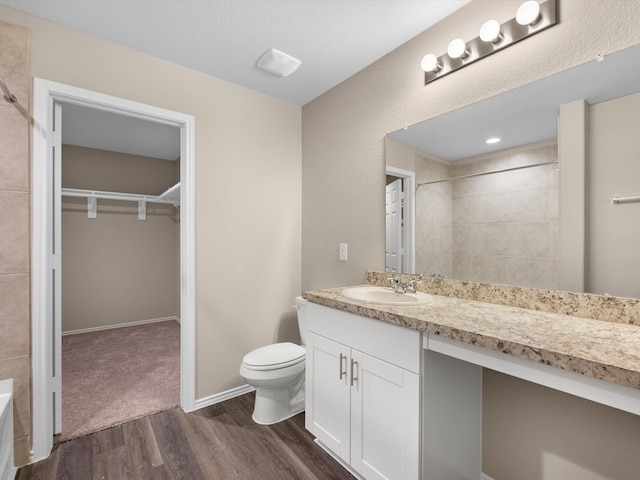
22, 451
14, 154
490, 238
530, 272
14, 315
489, 268
462, 243
462, 267
528, 204
19, 368
14, 61
529, 239
14, 225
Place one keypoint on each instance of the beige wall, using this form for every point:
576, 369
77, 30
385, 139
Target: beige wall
247, 196
14, 239
614, 170
536, 433
343, 169
115, 268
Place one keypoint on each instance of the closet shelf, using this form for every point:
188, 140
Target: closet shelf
171, 196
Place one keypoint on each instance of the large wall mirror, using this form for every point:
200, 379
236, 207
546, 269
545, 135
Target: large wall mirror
506, 212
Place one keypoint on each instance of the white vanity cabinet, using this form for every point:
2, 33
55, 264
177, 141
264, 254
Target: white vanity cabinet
363, 392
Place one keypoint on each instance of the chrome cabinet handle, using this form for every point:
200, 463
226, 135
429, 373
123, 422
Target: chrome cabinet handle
343, 372
354, 378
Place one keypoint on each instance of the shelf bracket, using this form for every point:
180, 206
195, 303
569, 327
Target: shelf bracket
142, 209
92, 206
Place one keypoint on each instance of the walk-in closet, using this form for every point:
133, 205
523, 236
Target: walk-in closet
120, 230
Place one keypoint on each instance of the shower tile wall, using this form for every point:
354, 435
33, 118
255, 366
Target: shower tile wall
15, 239
503, 226
434, 214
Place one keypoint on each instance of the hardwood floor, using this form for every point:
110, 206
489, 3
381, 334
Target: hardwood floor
219, 442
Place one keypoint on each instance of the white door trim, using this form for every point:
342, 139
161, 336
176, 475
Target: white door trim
44, 95
409, 214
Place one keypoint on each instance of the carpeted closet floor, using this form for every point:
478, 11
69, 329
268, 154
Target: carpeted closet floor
114, 376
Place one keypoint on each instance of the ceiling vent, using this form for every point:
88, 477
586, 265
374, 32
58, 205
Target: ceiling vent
279, 63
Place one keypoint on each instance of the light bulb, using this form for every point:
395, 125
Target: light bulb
528, 13
490, 32
457, 49
430, 63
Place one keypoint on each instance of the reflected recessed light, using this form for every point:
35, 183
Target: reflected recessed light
493, 140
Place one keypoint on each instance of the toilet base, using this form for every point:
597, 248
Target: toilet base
278, 404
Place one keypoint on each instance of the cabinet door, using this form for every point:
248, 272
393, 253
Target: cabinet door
385, 419
327, 394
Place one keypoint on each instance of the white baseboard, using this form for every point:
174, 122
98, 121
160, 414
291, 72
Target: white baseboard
119, 325
484, 476
222, 396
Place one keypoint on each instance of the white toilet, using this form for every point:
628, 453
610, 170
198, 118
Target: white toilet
277, 373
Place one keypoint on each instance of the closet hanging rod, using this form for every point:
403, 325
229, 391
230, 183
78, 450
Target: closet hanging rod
133, 197
8, 96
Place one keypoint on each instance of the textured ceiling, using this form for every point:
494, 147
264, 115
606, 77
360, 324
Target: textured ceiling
334, 39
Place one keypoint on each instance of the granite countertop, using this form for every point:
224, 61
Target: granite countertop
601, 349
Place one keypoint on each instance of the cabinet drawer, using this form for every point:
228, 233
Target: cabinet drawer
397, 345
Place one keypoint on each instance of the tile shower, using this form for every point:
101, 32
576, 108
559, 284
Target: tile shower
500, 227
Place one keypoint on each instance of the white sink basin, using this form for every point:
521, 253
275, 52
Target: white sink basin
386, 296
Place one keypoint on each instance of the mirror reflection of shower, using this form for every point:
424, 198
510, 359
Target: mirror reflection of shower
492, 219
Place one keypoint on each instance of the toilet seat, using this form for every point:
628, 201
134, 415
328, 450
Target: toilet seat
273, 357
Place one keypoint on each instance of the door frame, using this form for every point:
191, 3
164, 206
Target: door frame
45, 93
408, 227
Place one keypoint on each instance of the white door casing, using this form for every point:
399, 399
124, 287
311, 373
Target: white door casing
408, 226
45, 96
393, 254
56, 264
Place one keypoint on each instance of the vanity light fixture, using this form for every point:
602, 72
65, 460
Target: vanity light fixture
430, 63
458, 49
531, 17
279, 63
528, 13
490, 32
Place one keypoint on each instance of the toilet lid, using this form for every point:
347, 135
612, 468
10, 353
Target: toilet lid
278, 355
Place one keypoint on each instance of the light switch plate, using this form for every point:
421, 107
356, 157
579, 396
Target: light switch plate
343, 252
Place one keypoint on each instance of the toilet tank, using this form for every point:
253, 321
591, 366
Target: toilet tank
301, 308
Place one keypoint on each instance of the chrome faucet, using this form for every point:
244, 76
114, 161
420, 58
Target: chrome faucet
400, 286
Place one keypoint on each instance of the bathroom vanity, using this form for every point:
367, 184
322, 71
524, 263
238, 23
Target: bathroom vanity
395, 391
362, 393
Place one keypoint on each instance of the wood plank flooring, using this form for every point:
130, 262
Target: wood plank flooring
216, 442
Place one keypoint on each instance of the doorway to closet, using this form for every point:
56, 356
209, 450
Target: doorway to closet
49, 100
120, 265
